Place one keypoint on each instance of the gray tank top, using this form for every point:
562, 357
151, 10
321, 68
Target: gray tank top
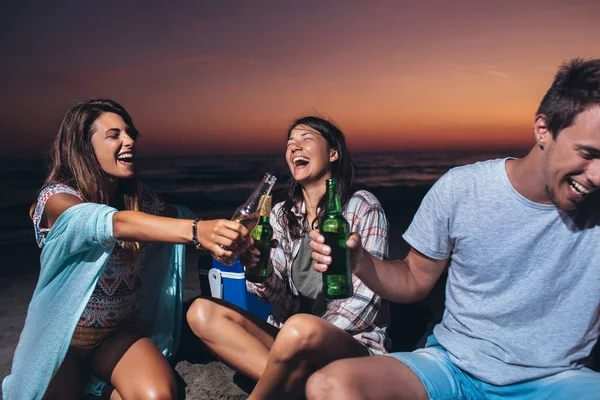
308, 281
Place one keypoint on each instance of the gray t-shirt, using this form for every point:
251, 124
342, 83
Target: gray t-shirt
523, 290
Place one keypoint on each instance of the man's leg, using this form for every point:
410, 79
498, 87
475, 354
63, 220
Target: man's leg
423, 374
377, 377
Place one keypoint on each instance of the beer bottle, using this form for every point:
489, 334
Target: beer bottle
262, 235
248, 213
337, 280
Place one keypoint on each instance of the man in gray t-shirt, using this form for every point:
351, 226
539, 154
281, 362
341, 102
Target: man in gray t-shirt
521, 241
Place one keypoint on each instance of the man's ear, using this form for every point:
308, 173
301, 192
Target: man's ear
541, 132
333, 155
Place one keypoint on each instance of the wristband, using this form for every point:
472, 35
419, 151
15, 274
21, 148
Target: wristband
197, 244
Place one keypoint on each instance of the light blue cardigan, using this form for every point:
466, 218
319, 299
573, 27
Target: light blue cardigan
73, 256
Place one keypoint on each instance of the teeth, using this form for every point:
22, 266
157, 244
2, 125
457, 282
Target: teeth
578, 188
125, 156
296, 159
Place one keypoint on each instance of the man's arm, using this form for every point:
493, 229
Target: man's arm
401, 281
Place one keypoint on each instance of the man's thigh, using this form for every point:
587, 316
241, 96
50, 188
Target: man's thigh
440, 377
375, 378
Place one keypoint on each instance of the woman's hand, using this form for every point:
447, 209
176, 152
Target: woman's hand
321, 251
250, 257
223, 236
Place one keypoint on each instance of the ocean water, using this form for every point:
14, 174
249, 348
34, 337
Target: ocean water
213, 186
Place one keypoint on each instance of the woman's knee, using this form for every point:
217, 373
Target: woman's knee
300, 334
144, 373
200, 314
154, 391
204, 314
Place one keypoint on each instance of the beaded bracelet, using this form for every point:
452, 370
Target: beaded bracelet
197, 244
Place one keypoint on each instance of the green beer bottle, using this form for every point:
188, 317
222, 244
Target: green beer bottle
337, 280
262, 235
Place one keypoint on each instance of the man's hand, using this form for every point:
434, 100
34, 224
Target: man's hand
321, 251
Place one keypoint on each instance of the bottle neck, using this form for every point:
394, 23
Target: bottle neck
255, 202
333, 204
263, 219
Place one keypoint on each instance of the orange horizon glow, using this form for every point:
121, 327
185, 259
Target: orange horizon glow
230, 79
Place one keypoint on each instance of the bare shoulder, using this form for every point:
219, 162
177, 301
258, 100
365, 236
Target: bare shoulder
56, 205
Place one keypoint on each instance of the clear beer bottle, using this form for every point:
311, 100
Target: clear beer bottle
262, 235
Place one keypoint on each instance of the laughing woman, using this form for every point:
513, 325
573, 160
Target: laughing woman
305, 331
108, 299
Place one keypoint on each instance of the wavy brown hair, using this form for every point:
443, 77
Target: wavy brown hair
73, 161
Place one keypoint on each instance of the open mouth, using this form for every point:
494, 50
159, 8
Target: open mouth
300, 162
126, 158
578, 188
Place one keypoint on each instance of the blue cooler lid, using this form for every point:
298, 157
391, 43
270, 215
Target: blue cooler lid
236, 267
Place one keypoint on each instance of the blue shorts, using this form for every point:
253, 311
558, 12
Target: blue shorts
444, 380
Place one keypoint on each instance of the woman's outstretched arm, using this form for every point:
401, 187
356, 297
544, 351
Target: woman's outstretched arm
143, 227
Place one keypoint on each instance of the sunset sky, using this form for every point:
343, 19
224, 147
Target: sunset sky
229, 76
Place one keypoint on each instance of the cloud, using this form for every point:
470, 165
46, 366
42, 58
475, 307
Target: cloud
472, 70
86, 77
497, 73
453, 66
188, 59
491, 69
56, 78
192, 29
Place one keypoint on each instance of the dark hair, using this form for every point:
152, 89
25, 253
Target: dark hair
73, 161
576, 87
341, 169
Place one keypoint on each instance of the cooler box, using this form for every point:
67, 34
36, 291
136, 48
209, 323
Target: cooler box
229, 284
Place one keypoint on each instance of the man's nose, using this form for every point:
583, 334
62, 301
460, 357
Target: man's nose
593, 173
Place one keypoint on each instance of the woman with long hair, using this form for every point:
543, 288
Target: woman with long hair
108, 301
305, 331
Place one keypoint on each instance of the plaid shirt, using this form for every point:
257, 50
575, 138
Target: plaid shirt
364, 315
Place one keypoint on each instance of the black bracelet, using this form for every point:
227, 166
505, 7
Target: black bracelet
197, 244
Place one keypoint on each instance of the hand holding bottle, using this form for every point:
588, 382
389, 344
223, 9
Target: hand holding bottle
222, 236
335, 230
262, 235
322, 252
248, 215
251, 256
